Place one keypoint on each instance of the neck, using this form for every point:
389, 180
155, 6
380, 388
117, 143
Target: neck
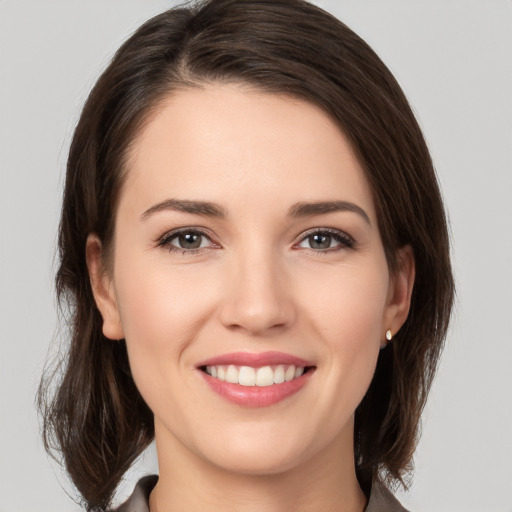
325, 482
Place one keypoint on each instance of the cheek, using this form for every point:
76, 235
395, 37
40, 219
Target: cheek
349, 319
158, 301
350, 308
161, 310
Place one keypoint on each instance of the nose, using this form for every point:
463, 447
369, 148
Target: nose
258, 299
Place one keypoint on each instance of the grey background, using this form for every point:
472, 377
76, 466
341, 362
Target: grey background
454, 61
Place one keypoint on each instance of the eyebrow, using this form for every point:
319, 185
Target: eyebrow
302, 209
309, 209
195, 207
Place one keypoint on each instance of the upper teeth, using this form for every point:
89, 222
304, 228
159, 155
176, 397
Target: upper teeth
248, 376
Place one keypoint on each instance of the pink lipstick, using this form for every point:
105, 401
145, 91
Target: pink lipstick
256, 380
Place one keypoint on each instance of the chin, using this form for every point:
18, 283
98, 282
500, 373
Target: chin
261, 448
254, 461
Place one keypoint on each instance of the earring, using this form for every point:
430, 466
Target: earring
389, 335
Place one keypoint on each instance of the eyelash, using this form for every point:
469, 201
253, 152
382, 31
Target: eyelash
166, 240
345, 241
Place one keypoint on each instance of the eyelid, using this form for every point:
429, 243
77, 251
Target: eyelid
346, 240
165, 239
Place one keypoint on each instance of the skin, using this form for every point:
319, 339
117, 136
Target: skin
257, 283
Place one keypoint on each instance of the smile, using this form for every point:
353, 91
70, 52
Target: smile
249, 376
256, 380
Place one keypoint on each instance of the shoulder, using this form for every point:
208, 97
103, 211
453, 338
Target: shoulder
139, 500
381, 500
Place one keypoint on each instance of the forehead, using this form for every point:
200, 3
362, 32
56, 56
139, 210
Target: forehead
225, 142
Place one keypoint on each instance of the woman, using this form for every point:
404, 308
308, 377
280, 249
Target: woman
255, 252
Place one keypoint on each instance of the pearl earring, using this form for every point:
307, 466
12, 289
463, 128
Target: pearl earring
389, 335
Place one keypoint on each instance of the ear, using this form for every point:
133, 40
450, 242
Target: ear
400, 292
103, 289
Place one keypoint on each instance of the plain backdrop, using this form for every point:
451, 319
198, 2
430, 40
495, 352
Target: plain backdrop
454, 61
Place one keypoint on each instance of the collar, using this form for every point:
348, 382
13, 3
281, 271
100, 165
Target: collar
381, 499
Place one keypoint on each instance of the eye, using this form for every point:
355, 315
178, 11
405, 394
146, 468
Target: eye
186, 240
326, 239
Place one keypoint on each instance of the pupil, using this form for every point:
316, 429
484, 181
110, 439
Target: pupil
320, 241
190, 241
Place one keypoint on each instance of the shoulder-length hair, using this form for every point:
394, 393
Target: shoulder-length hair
97, 419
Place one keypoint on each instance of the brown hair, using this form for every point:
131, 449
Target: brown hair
97, 419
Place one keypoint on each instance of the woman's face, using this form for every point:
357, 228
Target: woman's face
246, 252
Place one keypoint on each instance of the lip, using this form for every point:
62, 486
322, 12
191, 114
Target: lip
270, 358
255, 396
